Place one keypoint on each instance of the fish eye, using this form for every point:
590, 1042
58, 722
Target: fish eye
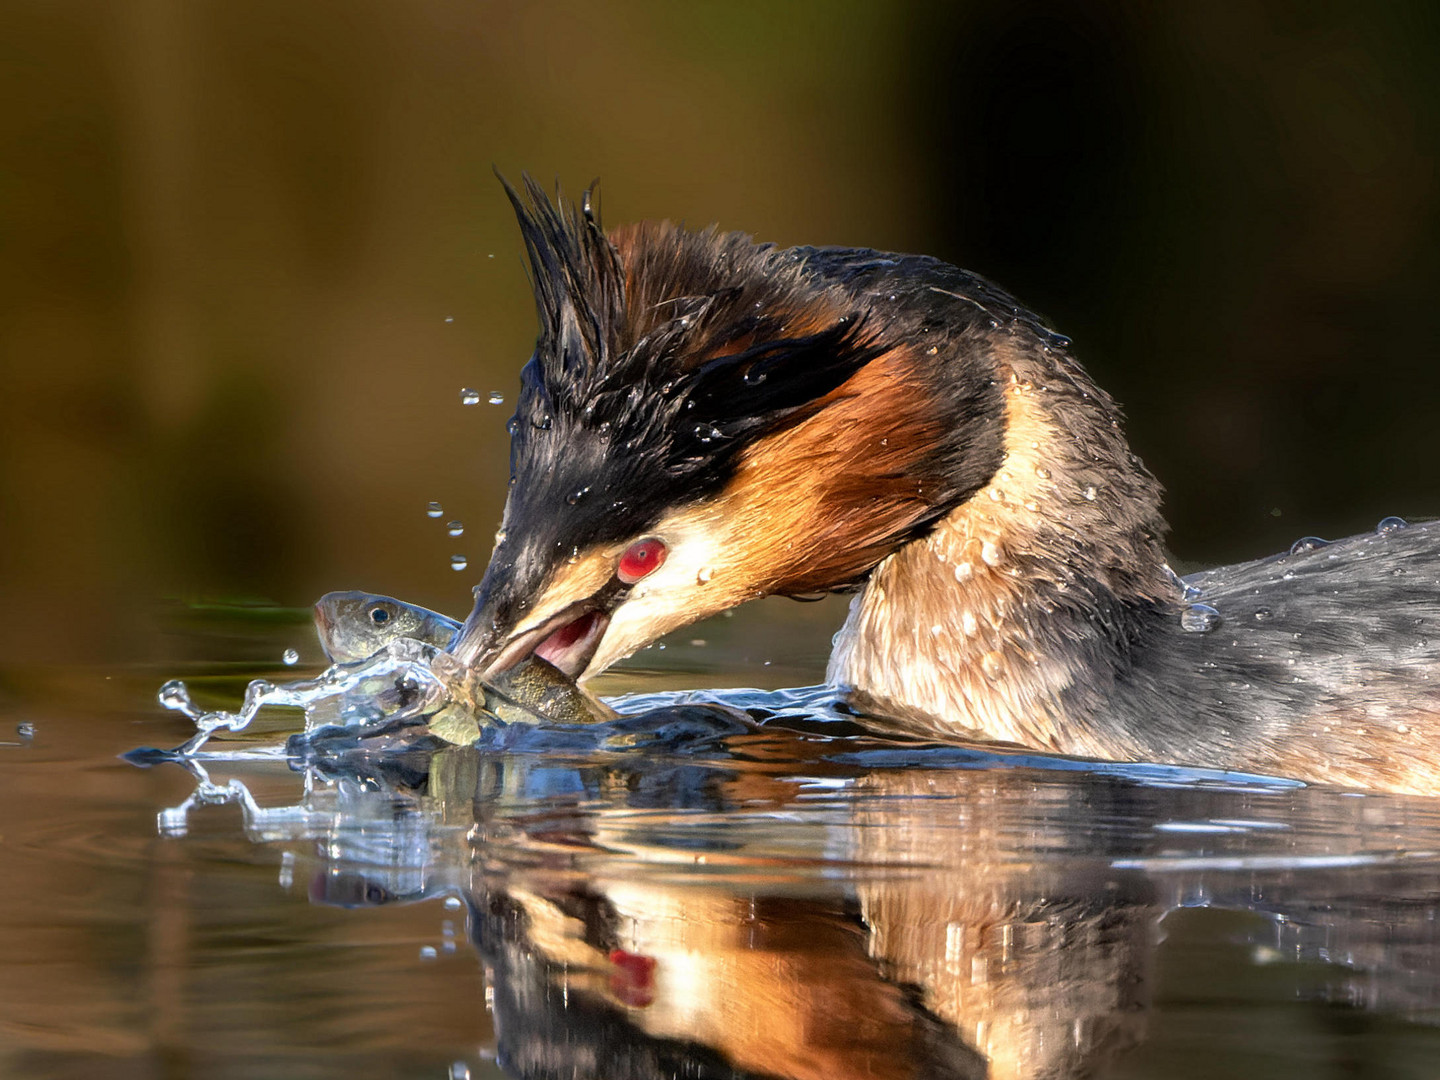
379, 616
640, 559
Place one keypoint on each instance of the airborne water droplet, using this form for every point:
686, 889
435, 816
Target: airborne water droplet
578, 494
705, 574
1391, 524
469, 396
174, 695
1307, 543
458, 562
496, 398
25, 729
427, 952
434, 510
1199, 619
455, 528
290, 657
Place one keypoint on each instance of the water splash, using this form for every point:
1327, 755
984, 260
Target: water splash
403, 681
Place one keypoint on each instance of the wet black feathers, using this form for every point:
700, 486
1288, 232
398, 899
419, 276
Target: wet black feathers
579, 285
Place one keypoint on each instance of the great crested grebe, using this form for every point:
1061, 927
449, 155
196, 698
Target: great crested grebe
707, 420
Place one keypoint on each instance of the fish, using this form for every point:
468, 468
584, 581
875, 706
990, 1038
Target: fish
353, 626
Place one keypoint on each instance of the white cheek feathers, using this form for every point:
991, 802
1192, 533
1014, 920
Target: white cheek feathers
685, 586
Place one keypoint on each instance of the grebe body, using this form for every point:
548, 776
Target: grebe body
707, 420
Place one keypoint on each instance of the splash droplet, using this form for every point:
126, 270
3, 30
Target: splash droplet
458, 562
469, 396
455, 528
434, 510
705, 574
496, 398
25, 730
1307, 543
1042, 472
452, 903
449, 318
459, 1071
174, 695
1089, 493
1199, 619
578, 494
1262, 614
290, 657
1390, 525
427, 952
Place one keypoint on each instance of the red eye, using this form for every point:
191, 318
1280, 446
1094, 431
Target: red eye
641, 558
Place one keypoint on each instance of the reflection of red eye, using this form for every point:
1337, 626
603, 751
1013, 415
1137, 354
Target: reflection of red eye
641, 558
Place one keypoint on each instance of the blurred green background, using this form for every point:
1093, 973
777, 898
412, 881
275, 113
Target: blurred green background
250, 253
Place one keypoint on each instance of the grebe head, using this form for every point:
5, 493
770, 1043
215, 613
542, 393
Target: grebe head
706, 420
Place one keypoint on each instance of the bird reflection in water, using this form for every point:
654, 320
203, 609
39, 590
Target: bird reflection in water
778, 907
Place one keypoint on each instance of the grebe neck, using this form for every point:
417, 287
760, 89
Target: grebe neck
1020, 612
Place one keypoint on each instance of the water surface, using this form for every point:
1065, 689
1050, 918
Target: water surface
790, 901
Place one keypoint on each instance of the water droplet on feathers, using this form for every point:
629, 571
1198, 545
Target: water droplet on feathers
1199, 619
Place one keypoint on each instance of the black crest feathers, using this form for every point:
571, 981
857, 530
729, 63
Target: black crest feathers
578, 282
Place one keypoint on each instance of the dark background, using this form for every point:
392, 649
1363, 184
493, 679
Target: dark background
231, 236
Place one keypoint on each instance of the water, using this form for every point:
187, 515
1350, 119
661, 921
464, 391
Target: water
788, 899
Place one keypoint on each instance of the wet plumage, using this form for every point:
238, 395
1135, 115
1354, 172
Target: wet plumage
792, 421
